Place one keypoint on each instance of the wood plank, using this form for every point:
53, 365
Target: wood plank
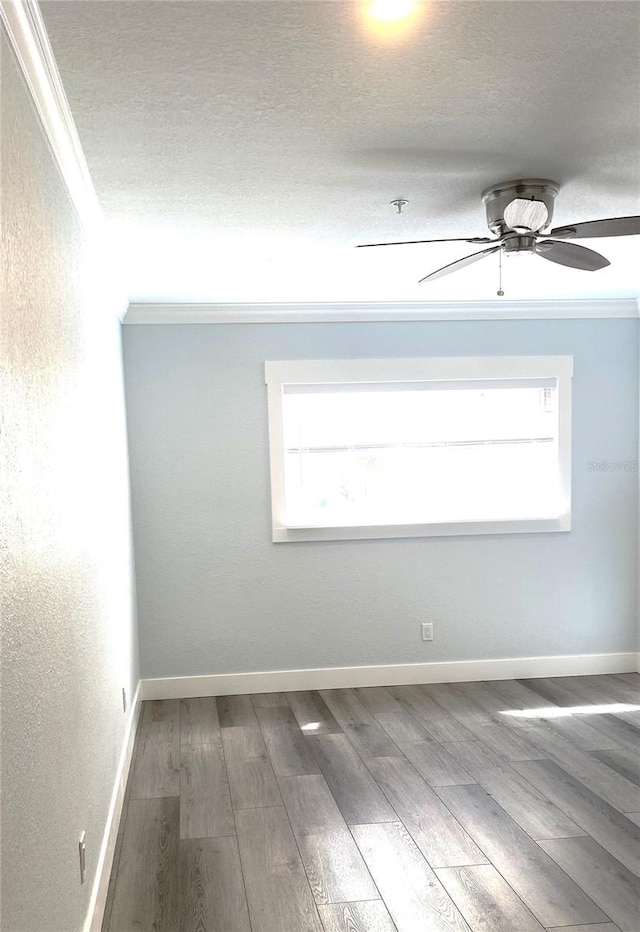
435, 764
551, 896
277, 890
146, 896
439, 836
623, 732
251, 778
581, 733
554, 690
211, 886
235, 711
402, 727
312, 714
634, 817
358, 795
599, 691
503, 734
624, 761
371, 916
517, 696
507, 742
594, 690
571, 727
632, 678
413, 894
199, 722
603, 781
587, 691
488, 698
458, 705
437, 721
334, 866
310, 805
610, 828
486, 900
601, 927
205, 801
610, 884
288, 749
526, 805
157, 761
360, 727
624, 690
160, 710
377, 699
268, 700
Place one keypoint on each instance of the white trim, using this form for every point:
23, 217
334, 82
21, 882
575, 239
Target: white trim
420, 369
437, 369
456, 671
332, 312
28, 36
98, 901
290, 534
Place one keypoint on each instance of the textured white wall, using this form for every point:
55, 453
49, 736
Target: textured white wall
69, 642
216, 596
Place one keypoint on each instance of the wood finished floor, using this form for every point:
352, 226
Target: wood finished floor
405, 808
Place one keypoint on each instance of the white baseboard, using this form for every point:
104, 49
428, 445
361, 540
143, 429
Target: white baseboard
98, 901
232, 684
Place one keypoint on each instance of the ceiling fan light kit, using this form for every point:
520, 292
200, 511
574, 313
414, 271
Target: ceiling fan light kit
520, 206
519, 213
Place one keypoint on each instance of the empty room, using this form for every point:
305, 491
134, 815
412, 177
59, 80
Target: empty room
320, 344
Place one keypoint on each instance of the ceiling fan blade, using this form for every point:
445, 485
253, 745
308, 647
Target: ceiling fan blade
614, 226
572, 255
411, 242
460, 263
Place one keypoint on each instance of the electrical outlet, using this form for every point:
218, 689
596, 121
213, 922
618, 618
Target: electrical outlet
427, 631
124, 699
82, 853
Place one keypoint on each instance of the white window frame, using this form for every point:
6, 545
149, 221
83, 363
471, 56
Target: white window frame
442, 368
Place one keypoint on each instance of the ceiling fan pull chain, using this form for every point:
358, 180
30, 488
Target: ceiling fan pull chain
500, 292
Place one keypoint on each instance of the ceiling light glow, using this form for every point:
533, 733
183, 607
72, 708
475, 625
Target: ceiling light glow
389, 21
390, 11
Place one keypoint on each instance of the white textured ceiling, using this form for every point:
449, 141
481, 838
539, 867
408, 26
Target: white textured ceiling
241, 149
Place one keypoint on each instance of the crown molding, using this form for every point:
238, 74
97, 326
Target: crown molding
28, 36
139, 313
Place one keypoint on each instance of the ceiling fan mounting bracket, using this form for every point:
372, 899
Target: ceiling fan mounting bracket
498, 197
516, 243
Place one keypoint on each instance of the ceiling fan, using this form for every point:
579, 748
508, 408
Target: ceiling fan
517, 214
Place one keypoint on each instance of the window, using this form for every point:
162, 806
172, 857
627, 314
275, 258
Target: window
417, 447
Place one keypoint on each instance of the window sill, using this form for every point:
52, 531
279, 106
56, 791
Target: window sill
282, 534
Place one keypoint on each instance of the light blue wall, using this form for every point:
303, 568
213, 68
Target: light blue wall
216, 595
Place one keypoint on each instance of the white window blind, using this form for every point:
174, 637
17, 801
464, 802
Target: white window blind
422, 452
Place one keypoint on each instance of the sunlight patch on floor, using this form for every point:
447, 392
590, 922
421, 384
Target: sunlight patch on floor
613, 709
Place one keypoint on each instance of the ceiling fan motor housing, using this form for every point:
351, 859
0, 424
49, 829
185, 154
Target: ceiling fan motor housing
508, 211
